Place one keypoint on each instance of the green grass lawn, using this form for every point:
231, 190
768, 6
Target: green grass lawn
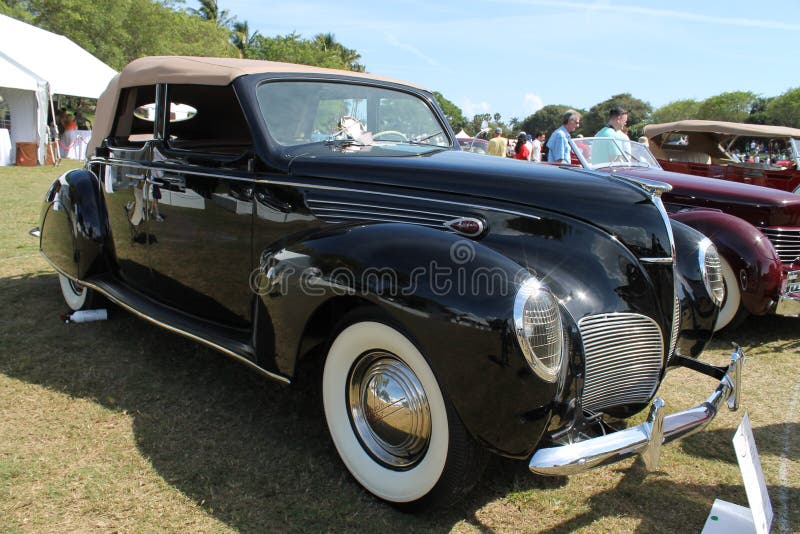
119, 426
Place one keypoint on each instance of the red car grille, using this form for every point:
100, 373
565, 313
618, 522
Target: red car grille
785, 241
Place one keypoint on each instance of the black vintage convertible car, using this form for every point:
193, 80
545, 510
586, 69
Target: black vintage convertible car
455, 304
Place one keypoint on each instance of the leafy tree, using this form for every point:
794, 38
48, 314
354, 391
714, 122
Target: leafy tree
638, 112
546, 119
452, 112
758, 111
784, 110
676, 111
17, 9
492, 120
733, 106
118, 31
293, 48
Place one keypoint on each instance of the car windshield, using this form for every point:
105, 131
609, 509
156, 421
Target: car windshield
350, 117
795, 149
599, 152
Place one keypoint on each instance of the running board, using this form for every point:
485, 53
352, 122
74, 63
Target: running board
231, 342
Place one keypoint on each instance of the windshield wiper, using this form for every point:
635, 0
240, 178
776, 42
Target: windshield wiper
421, 140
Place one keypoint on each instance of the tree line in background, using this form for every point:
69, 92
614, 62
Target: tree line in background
735, 106
118, 31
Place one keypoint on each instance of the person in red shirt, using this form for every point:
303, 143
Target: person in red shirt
69, 122
521, 150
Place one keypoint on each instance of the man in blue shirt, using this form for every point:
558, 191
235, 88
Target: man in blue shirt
558, 150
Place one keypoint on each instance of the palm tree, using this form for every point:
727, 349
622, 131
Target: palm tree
328, 42
242, 39
209, 10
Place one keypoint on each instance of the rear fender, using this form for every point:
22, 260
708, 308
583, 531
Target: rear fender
749, 253
73, 223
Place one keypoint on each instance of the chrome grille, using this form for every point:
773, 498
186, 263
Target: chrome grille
624, 358
786, 242
335, 211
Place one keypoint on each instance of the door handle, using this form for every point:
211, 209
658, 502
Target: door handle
268, 199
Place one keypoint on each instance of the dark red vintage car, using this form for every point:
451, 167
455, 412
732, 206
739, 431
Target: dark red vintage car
705, 148
756, 229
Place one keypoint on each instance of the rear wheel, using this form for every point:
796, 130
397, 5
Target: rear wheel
392, 426
76, 296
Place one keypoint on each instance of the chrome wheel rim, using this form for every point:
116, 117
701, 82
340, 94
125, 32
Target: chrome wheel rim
389, 410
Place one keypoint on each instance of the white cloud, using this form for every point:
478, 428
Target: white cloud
471, 108
533, 103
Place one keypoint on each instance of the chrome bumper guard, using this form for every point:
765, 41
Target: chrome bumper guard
789, 301
644, 439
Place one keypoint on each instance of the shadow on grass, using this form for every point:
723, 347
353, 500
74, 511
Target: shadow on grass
758, 330
717, 444
670, 503
256, 454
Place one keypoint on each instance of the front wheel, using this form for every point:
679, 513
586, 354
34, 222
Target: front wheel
392, 426
76, 296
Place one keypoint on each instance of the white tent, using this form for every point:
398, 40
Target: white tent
462, 134
36, 64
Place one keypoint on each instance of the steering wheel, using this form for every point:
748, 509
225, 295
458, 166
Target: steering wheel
390, 135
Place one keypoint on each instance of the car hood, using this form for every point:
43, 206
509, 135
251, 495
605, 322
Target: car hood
618, 207
761, 206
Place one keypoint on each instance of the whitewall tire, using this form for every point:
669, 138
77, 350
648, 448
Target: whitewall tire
75, 295
388, 418
733, 297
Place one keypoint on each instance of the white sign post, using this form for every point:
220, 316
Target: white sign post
729, 518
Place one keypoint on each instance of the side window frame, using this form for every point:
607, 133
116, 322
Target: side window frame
205, 148
124, 119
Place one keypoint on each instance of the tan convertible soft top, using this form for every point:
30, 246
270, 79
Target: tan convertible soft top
196, 70
721, 128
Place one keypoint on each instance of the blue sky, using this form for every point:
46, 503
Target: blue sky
514, 56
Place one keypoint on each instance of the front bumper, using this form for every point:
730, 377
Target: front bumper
644, 439
789, 301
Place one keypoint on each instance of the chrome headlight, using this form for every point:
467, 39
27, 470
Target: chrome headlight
712, 271
537, 322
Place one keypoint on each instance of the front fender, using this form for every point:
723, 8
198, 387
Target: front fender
74, 229
452, 296
749, 253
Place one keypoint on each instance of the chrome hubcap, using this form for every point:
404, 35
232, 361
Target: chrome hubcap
389, 409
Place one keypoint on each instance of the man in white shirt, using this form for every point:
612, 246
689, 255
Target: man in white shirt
536, 151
